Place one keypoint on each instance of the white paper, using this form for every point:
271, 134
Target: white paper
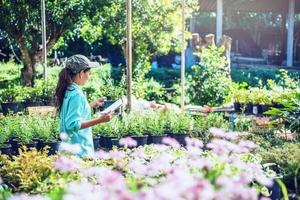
112, 107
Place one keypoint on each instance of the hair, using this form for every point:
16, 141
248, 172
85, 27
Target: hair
64, 81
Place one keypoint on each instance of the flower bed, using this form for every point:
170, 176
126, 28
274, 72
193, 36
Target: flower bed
226, 171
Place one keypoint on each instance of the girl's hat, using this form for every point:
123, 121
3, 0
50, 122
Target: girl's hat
78, 62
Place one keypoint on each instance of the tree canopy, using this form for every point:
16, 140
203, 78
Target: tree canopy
21, 20
156, 26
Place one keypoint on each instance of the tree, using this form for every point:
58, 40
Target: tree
21, 20
156, 27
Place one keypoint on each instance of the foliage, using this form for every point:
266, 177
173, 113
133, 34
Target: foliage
44, 128
209, 84
101, 84
204, 123
258, 77
240, 93
223, 171
154, 123
260, 96
287, 158
26, 171
111, 128
30, 127
290, 114
11, 94
156, 26
22, 22
178, 123
149, 89
4, 134
243, 123
132, 124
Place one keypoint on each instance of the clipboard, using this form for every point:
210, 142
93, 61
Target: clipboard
112, 108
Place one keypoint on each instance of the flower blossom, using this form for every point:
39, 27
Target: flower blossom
128, 141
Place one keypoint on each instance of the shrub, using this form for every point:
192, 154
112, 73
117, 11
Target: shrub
209, 84
290, 114
26, 171
287, 159
154, 123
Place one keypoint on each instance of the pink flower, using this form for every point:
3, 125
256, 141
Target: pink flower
102, 155
112, 180
28, 197
137, 167
70, 148
200, 190
66, 165
247, 144
222, 134
128, 141
95, 171
194, 142
115, 154
171, 142
139, 153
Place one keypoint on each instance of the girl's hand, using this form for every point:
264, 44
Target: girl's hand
106, 117
98, 102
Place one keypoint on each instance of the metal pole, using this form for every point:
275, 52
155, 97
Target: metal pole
182, 57
129, 55
44, 53
290, 39
219, 19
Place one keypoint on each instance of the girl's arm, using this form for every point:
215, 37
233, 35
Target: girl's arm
93, 122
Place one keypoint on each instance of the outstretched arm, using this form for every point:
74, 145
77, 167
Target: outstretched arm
93, 122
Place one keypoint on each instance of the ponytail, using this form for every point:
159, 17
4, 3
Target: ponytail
64, 81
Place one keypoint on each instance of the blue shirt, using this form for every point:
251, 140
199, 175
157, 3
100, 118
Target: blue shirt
74, 110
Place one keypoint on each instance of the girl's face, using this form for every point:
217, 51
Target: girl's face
83, 77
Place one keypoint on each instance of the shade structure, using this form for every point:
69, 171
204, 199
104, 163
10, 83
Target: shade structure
276, 6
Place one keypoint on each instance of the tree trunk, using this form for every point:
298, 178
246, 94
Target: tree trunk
28, 75
29, 59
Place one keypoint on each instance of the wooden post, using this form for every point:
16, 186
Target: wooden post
192, 28
129, 55
44, 53
182, 101
219, 22
290, 39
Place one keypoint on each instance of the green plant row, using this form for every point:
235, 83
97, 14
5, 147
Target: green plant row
161, 124
269, 94
27, 128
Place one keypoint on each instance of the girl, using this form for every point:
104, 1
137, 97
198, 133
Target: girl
73, 107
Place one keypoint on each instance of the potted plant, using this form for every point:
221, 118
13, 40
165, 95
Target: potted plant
10, 97
155, 127
239, 95
46, 130
12, 123
257, 97
133, 125
26, 135
5, 146
266, 101
180, 126
32, 97
47, 91
96, 136
108, 131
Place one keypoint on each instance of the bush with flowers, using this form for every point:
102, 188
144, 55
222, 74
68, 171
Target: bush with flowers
226, 170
